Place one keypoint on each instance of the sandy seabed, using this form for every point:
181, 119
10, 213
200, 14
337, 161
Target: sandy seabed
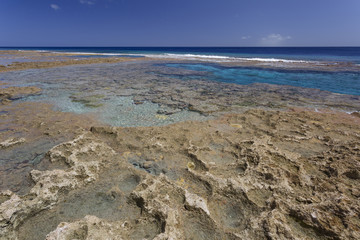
236, 162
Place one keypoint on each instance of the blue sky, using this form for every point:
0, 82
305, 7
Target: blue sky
180, 23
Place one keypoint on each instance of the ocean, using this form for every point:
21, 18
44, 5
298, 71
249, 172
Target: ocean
210, 60
350, 54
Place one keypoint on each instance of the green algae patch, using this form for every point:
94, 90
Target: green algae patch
91, 101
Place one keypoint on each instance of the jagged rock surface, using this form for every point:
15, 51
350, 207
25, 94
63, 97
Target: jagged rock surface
257, 175
84, 155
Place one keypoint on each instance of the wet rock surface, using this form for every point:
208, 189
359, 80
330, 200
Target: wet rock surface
27, 132
99, 85
8, 94
20, 60
260, 174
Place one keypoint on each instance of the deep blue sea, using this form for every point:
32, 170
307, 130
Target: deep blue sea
339, 82
295, 53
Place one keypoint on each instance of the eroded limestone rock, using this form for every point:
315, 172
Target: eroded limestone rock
11, 141
282, 175
84, 155
90, 227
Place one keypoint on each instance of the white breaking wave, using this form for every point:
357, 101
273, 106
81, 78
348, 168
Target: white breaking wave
199, 57
219, 58
275, 60
196, 56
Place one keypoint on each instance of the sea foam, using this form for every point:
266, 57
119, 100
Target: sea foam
198, 57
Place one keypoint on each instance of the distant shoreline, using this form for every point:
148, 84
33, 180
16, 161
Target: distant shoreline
37, 60
30, 59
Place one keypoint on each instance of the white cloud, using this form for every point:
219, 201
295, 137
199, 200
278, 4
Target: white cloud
274, 39
55, 7
245, 37
88, 2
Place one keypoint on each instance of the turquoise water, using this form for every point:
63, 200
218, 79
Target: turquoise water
99, 90
209, 57
338, 82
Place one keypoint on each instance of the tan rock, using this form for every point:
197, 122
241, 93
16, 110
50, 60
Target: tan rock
11, 141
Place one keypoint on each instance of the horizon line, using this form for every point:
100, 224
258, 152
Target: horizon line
172, 46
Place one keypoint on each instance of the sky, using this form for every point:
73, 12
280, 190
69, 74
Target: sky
179, 23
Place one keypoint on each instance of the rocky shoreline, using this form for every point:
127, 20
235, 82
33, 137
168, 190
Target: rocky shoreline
261, 174
39, 60
251, 171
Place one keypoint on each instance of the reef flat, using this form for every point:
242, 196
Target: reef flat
12, 60
126, 150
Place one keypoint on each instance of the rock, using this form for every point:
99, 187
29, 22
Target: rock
356, 114
161, 205
280, 176
85, 156
195, 201
89, 228
9, 93
11, 141
168, 111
